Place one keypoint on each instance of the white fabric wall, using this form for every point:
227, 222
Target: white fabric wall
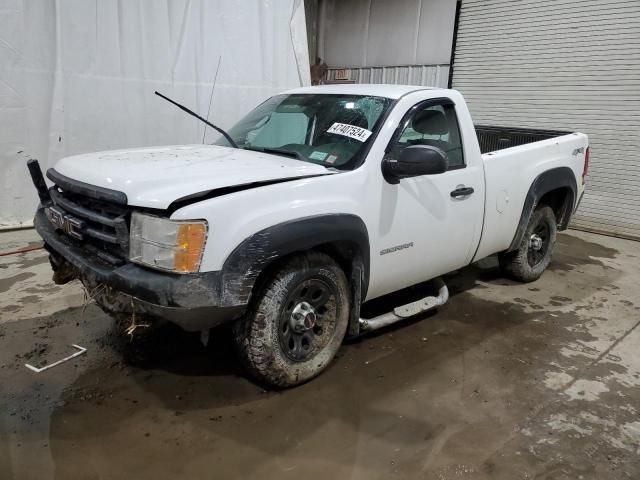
366, 33
79, 76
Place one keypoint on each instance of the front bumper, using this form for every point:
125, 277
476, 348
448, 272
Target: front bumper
192, 301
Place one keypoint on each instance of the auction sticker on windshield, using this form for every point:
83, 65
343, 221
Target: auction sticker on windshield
318, 155
351, 131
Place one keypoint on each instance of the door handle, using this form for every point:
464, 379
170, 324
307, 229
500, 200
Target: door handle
462, 192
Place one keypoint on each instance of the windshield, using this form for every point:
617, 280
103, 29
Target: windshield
330, 130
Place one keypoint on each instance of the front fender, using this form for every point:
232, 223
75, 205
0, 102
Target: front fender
245, 263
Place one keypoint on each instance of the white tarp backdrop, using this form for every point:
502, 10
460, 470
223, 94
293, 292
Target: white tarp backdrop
79, 76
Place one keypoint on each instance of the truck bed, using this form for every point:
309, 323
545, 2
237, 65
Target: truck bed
493, 138
510, 172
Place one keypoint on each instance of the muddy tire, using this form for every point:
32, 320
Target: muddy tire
532, 257
296, 322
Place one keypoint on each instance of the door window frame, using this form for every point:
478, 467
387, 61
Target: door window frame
408, 116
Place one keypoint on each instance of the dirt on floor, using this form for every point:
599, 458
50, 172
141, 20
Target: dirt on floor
506, 381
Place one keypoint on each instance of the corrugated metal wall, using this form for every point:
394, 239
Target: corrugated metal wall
406, 42
366, 33
569, 65
427, 75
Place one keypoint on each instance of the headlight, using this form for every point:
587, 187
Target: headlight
165, 244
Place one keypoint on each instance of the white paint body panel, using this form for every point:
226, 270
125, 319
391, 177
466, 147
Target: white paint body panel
155, 177
510, 172
446, 233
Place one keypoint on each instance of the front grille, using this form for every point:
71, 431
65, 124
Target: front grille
99, 226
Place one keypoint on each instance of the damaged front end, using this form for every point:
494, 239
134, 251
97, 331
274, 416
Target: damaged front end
86, 232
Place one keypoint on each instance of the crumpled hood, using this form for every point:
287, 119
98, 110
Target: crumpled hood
155, 177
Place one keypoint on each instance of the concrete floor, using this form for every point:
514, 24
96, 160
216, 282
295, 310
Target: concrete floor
507, 381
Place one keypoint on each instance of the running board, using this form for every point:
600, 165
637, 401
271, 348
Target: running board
408, 310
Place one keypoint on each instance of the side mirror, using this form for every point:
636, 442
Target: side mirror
415, 161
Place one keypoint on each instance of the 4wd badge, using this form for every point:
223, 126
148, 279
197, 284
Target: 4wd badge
62, 221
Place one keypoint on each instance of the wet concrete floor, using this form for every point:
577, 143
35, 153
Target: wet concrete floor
507, 381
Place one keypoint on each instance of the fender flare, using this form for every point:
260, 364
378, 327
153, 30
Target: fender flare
561, 177
249, 259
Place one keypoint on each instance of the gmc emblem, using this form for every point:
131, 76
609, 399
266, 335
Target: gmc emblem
62, 221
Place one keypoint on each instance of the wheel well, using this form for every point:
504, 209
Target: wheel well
561, 202
346, 255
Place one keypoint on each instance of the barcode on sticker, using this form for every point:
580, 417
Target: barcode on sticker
351, 131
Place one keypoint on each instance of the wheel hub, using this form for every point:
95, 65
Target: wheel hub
307, 322
535, 242
303, 317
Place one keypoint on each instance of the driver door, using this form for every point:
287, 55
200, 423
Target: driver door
429, 225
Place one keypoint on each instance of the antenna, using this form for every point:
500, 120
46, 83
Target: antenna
211, 97
194, 114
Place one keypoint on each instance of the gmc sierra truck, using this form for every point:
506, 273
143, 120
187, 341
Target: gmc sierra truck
317, 201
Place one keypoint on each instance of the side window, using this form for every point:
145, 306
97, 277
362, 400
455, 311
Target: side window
435, 125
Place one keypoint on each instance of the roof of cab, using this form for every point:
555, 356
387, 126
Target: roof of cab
378, 90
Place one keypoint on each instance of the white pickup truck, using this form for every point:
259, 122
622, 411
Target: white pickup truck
318, 200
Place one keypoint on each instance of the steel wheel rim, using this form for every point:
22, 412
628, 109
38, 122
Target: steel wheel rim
536, 253
301, 339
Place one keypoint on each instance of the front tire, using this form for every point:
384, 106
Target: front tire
533, 255
297, 321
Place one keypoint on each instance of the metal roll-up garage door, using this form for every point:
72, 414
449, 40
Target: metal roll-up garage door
567, 65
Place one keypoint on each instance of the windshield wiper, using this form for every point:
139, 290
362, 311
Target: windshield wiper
190, 112
277, 151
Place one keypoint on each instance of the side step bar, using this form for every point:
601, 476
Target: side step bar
406, 311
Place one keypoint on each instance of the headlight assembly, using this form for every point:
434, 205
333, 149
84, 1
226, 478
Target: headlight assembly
175, 246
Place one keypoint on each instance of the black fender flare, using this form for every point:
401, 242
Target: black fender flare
245, 263
560, 177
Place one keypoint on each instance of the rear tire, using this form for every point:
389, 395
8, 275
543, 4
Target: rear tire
296, 323
533, 256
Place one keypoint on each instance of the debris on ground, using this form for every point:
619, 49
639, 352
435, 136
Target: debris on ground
80, 351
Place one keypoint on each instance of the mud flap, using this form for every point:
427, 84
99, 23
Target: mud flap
356, 301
